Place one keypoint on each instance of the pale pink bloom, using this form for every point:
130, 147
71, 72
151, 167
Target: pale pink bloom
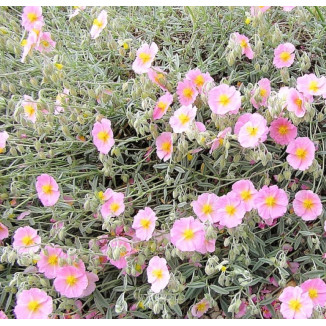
3, 315
245, 46
23, 215
230, 210
242, 120
145, 56
77, 10
105, 196
205, 207
31, 16
293, 266
49, 261
45, 44
253, 132
182, 118
301, 153
26, 240
296, 102
288, 8
99, 24
103, 136
242, 310
4, 233
47, 190
207, 246
218, 141
282, 131
200, 308
283, 55
162, 105
31, 41
61, 99
311, 85
200, 126
33, 304
307, 205
271, 203
187, 92
254, 11
187, 234
125, 251
295, 303
158, 274
30, 108
246, 191
199, 78
71, 281
3, 140
316, 289
91, 286
158, 77
264, 92
224, 99
114, 206
144, 223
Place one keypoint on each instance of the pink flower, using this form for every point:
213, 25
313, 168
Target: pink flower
114, 206
3, 140
145, 56
187, 234
4, 233
253, 132
158, 77
271, 203
307, 205
71, 281
187, 92
26, 240
61, 99
198, 78
158, 274
264, 92
311, 85
49, 261
103, 136
144, 224
182, 118
246, 191
31, 16
47, 190
29, 44
207, 246
295, 303
244, 43
288, 8
91, 286
205, 207
301, 153
242, 120
162, 105
293, 266
200, 126
242, 310
3, 315
46, 44
77, 10
296, 102
219, 140
224, 99
125, 251
99, 24
283, 55
33, 304
316, 289
254, 11
200, 308
230, 210
283, 131
30, 108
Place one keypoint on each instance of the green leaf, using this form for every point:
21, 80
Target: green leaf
218, 289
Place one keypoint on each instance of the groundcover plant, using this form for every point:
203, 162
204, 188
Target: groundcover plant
161, 162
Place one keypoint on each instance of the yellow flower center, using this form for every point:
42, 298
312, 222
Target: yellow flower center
114, 207
184, 118
138, 268
29, 110
188, 234
166, 146
207, 209
243, 43
161, 105
145, 57
270, 201
313, 293
125, 45
201, 307
104, 136
223, 268
32, 17
47, 189
313, 86
158, 77
71, 280
36, 31
230, 209
45, 43
247, 21
2, 150
33, 305
53, 260
263, 92
285, 56
158, 273
308, 204
100, 195
23, 42
199, 80
188, 92
298, 102
245, 195
97, 23
145, 223
283, 130
224, 100
59, 66
301, 153
252, 131
295, 305
27, 240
